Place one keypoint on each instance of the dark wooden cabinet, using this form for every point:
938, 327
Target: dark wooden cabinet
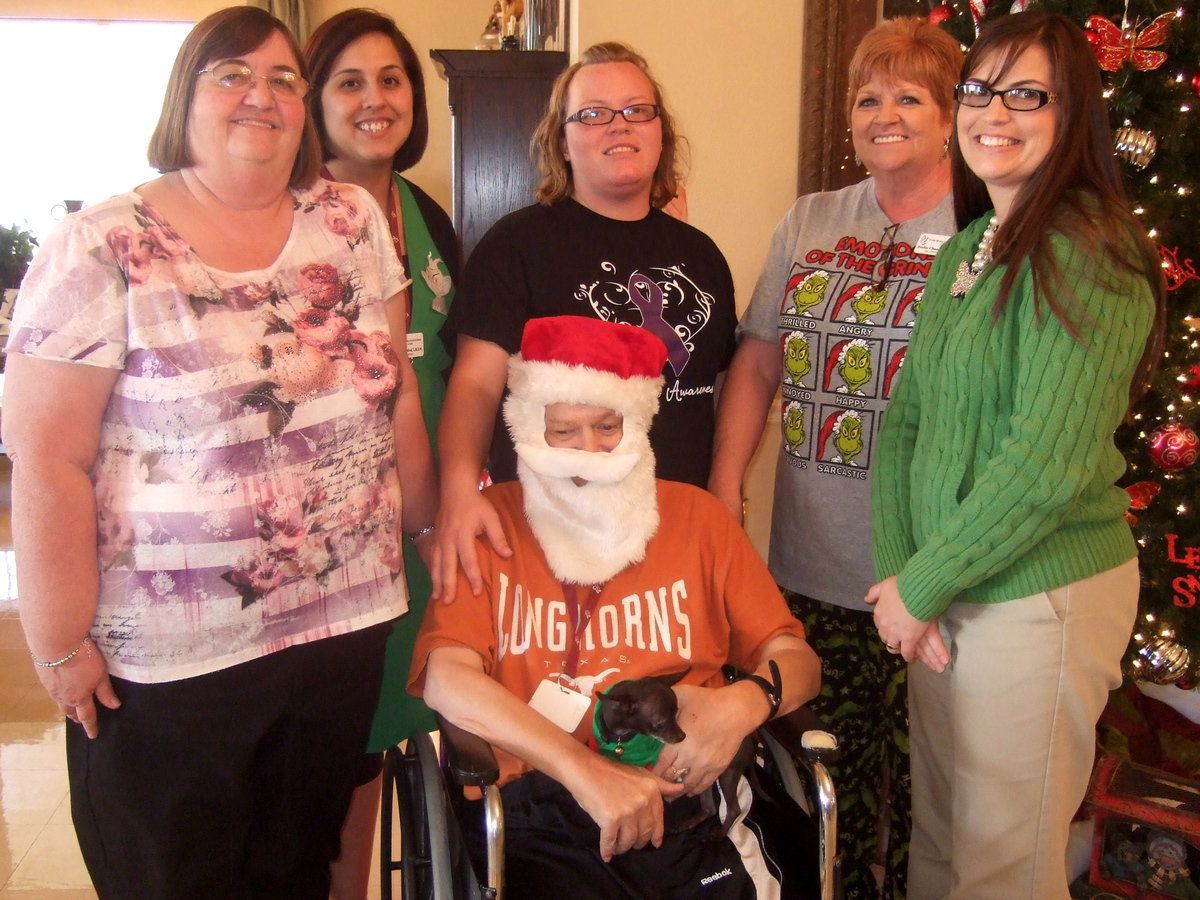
497, 98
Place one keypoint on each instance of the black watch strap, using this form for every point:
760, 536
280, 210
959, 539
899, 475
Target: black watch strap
773, 688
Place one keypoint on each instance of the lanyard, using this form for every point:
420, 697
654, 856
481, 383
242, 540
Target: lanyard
393, 216
580, 617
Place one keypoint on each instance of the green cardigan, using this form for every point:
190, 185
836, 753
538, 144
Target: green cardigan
996, 468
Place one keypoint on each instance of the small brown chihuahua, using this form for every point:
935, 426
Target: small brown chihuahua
641, 705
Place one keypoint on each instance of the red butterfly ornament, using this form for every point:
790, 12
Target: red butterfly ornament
1115, 46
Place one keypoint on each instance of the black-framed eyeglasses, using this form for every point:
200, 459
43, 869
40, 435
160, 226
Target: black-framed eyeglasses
237, 77
1020, 99
888, 252
602, 115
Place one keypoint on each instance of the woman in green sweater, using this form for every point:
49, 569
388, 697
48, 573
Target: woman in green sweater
1008, 572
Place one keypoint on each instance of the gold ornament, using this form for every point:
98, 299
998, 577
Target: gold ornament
1135, 145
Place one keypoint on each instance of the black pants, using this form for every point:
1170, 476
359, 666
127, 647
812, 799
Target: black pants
552, 851
228, 785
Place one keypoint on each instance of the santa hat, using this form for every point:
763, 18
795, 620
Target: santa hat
575, 359
893, 367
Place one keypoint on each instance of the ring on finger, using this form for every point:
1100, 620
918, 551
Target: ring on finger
680, 774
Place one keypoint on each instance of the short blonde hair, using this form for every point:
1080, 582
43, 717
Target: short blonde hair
546, 146
225, 34
907, 49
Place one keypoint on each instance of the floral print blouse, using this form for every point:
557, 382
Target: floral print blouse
246, 484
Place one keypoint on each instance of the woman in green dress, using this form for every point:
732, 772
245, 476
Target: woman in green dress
370, 111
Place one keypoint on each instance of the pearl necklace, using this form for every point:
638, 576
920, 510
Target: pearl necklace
965, 277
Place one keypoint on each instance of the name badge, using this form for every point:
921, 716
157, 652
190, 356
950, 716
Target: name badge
561, 705
929, 244
416, 344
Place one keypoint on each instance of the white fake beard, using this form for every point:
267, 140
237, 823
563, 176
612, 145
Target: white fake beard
590, 532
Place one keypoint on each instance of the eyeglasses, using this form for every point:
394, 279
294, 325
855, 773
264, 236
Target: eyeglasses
889, 256
602, 115
1021, 99
237, 78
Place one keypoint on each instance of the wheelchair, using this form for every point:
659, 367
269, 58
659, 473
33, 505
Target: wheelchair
424, 785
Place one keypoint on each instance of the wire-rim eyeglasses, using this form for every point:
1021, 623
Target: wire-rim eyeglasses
237, 77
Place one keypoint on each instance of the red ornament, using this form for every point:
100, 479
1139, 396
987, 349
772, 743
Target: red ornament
1142, 493
1116, 46
1196, 83
1173, 447
1190, 377
1092, 37
940, 14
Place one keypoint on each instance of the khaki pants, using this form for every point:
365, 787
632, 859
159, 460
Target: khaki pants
1003, 741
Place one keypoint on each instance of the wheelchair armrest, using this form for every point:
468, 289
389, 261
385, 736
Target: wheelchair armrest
803, 735
800, 732
469, 758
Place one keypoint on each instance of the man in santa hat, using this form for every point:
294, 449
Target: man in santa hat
613, 575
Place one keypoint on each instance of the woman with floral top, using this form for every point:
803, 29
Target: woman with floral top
211, 432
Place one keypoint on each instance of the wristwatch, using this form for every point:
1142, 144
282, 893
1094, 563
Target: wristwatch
773, 688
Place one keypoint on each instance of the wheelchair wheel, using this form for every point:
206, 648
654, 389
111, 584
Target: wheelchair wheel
429, 863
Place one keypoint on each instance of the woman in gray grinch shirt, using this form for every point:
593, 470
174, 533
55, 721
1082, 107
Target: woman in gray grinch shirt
829, 323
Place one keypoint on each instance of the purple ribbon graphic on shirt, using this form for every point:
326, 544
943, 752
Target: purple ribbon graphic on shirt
651, 305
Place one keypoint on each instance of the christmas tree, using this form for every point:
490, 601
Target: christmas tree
1153, 94
1149, 55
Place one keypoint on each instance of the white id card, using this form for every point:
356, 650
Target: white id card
929, 244
416, 344
561, 705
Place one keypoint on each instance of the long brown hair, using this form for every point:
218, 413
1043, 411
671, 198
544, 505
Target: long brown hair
1077, 191
546, 144
337, 33
225, 34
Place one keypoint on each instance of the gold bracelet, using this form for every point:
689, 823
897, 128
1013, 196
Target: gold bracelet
70, 656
